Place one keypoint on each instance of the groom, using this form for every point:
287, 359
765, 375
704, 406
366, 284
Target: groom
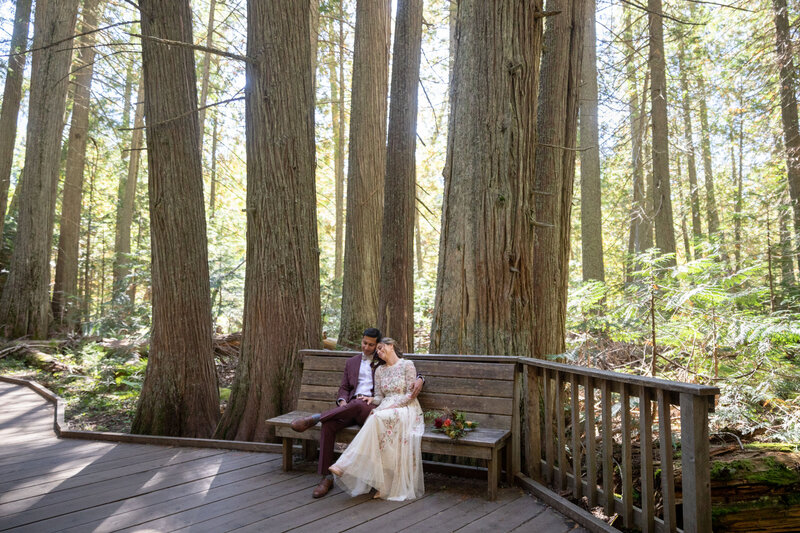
353, 408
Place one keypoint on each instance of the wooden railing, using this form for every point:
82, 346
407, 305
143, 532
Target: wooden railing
577, 417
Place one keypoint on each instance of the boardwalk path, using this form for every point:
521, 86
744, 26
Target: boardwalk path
50, 484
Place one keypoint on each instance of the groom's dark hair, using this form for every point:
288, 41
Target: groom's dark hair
374, 333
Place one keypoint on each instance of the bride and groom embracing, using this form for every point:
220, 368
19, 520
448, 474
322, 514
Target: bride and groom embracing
380, 394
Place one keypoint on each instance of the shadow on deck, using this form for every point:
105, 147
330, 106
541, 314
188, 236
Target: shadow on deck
51, 484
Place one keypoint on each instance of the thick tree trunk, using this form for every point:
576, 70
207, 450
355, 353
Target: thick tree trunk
688, 137
555, 170
591, 214
365, 171
205, 76
127, 203
24, 307
396, 303
12, 95
282, 301
484, 290
662, 199
66, 309
179, 396
791, 130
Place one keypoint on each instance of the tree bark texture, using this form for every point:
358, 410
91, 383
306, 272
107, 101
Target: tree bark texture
555, 170
791, 130
688, 137
365, 171
180, 395
662, 198
484, 291
282, 293
591, 214
12, 95
24, 307
66, 308
396, 303
127, 203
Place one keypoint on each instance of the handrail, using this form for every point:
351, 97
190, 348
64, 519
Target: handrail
572, 411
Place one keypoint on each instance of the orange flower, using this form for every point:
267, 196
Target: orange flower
447, 423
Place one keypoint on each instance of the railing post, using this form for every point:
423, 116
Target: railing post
534, 434
695, 463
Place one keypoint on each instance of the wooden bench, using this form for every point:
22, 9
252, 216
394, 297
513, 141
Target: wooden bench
485, 388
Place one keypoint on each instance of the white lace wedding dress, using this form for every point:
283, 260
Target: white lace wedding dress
385, 454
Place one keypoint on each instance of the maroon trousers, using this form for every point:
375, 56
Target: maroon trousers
355, 412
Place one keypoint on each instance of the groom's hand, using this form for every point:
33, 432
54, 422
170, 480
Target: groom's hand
415, 390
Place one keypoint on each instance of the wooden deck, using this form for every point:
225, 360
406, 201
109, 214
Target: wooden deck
50, 484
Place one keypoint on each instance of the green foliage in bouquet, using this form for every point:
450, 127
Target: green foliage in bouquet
450, 422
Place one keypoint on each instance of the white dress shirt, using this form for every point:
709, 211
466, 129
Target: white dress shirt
364, 378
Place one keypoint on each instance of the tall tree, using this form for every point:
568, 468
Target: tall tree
791, 130
127, 202
484, 290
591, 214
12, 94
662, 198
641, 229
336, 70
555, 170
24, 307
786, 256
282, 293
688, 137
66, 310
206, 74
396, 303
179, 396
365, 170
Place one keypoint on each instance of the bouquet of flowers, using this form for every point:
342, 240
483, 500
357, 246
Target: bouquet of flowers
451, 422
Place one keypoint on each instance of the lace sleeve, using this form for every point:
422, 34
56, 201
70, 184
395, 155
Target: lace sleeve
377, 395
410, 375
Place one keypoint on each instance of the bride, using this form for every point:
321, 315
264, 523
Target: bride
385, 454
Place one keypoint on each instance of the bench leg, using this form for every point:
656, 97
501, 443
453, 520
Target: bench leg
287, 454
509, 465
310, 450
494, 471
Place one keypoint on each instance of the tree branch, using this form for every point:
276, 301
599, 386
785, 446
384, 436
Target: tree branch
201, 48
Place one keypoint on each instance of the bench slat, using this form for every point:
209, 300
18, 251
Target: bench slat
433, 385
491, 371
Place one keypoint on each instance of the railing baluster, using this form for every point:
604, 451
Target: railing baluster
695, 464
534, 458
646, 458
576, 438
548, 426
665, 451
591, 464
562, 445
608, 450
627, 459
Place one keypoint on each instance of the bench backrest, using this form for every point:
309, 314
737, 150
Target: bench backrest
483, 387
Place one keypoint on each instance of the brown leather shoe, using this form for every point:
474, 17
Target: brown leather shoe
323, 487
302, 424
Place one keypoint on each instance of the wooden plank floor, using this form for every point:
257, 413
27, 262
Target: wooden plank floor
50, 484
